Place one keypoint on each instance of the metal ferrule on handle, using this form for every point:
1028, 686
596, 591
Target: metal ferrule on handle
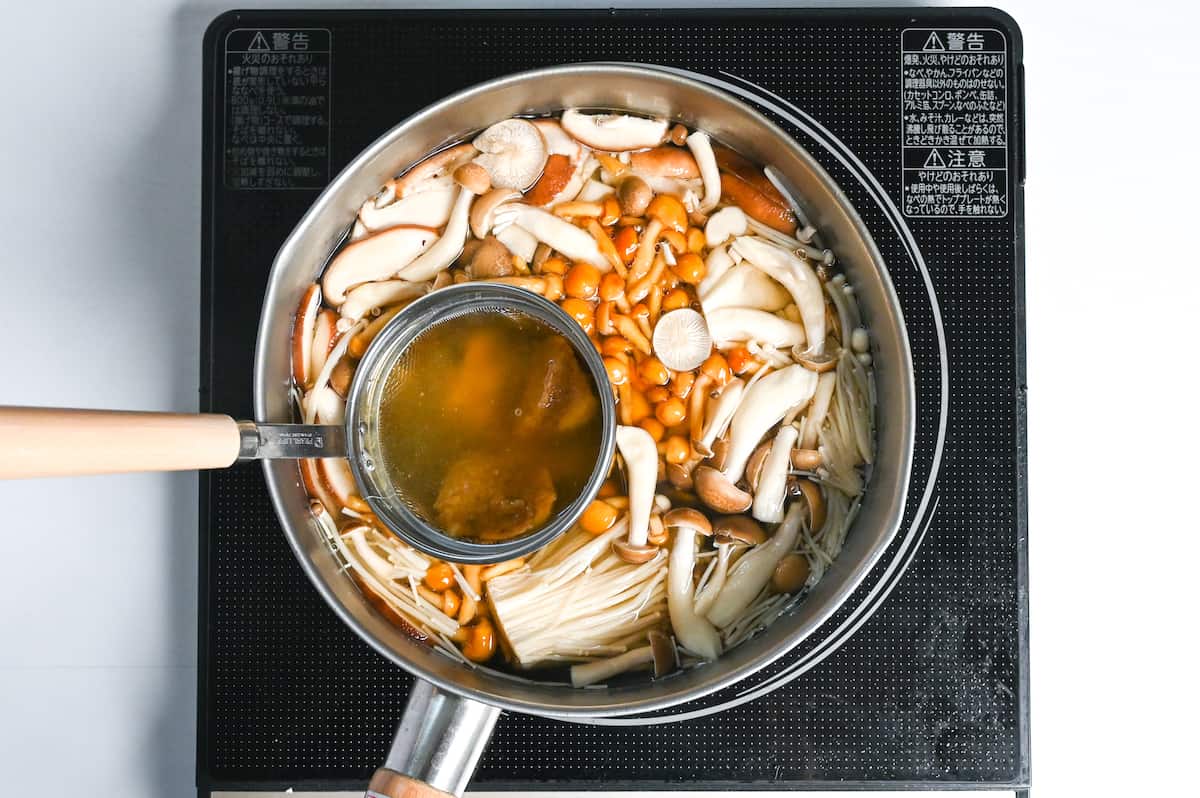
437, 745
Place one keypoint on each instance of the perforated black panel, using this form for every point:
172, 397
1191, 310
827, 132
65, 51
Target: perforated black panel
930, 689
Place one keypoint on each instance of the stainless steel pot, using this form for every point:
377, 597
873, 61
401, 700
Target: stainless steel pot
453, 707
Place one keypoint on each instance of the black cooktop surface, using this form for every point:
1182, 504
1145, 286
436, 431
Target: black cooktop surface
921, 679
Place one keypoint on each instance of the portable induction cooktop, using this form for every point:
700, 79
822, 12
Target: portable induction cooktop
921, 679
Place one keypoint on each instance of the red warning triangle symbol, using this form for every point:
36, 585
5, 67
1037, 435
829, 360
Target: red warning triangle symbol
259, 43
933, 43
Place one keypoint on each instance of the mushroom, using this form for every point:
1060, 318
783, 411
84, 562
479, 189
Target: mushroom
753, 571
330, 408
365, 298
303, 330
738, 325
339, 381
755, 463
574, 243
797, 277
790, 574
513, 152
586, 673
375, 258
771, 491
745, 286
665, 162
757, 204
641, 475
815, 501
519, 241
666, 656
614, 132
340, 480
817, 410
483, 210
594, 191
724, 225
427, 174
720, 413
681, 340
820, 362
764, 404
634, 195
718, 262
738, 530
806, 459
490, 259
446, 249
473, 177
423, 209
719, 492
692, 630
324, 333
710, 588
701, 147
566, 167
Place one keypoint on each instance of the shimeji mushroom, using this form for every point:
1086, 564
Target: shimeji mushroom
641, 475
701, 147
753, 571
681, 340
733, 325
692, 631
744, 286
614, 132
483, 210
771, 492
797, 277
578, 600
445, 249
817, 410
375, 257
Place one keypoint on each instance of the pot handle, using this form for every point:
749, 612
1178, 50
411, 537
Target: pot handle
437, 745
49, 442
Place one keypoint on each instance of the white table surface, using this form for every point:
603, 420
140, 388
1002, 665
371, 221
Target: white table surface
100, 149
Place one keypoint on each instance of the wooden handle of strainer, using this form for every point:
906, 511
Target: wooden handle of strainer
390, 784
46, 442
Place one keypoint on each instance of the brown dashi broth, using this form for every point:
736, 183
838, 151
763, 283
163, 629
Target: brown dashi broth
489, 425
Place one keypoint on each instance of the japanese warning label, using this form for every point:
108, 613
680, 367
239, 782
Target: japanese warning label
277, 108
954, 122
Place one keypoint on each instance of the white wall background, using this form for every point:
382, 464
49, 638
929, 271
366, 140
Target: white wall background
100, 154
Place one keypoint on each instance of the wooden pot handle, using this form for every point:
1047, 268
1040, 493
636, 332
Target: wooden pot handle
46, 442
390, 784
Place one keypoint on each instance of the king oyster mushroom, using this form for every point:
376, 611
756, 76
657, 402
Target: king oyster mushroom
744, 286
771, 491
732, 325
797, 277
302, 335
573, 242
